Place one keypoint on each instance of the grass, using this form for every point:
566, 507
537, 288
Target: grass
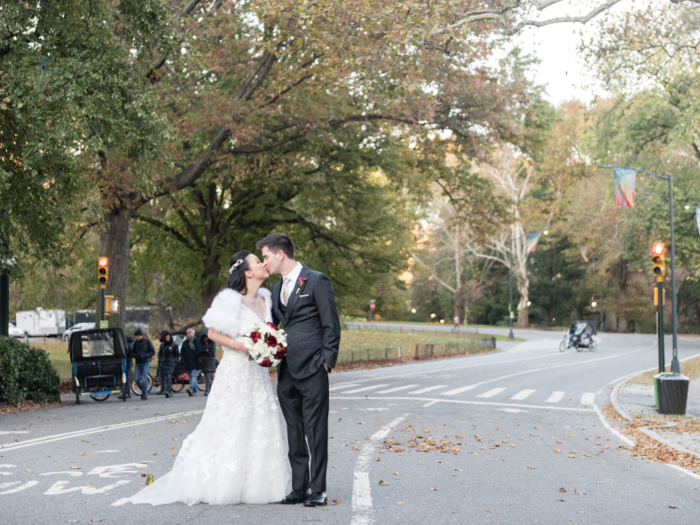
437, 333
368, 344
689, 368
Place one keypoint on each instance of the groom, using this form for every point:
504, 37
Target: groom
303, 301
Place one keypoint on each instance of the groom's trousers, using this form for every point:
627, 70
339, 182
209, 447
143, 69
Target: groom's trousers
304, 403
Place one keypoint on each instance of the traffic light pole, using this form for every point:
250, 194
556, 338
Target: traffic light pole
510, 303
675, 364
660, 325
4, 304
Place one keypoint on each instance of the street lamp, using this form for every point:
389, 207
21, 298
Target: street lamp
675, 364
594, 304
510, 271
432, 316
413, 310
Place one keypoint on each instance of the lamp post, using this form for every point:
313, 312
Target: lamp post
510, 301
675, 364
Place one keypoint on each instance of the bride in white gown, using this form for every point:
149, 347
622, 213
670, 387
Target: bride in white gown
238, 452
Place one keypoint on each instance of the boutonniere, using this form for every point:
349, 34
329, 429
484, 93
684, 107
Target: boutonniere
302, 280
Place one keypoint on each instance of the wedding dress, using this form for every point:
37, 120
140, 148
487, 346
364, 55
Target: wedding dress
238, 452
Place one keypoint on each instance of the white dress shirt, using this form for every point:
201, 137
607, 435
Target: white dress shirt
293, 276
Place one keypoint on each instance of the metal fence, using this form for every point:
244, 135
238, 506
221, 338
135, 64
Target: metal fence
419, 351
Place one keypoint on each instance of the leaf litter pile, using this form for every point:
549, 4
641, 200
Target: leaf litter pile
652, 450
424, 442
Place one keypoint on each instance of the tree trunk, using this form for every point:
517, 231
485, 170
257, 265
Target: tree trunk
211, 273
523, 310
115, 238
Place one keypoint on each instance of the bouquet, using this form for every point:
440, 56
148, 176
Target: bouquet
266, 344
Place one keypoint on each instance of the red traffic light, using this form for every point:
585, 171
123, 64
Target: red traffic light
658, 248
102, 262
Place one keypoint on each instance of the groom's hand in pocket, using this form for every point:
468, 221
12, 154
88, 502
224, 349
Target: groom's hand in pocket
328, 368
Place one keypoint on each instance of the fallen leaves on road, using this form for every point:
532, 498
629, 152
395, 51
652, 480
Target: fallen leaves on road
149, 479
557, 450
75, 468
434, 488
334, 502
400, 503
562, 489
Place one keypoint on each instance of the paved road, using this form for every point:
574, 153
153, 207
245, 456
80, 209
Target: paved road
507, 412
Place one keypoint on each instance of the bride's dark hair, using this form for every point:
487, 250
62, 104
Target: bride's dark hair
236, 270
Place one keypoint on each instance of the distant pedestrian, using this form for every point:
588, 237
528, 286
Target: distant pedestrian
189, 353
168, 356
207, 361
143, 353
129, 365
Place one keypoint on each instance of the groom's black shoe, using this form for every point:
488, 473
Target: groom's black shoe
317, 499
295, 496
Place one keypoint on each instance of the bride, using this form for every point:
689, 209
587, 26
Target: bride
238, 452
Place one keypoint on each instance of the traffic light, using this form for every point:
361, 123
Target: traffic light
103, 271
658, 259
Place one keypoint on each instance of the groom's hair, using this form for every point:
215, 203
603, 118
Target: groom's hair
276, 242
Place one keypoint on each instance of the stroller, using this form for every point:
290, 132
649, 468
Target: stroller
580, 336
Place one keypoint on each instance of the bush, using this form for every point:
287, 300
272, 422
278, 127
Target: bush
26, 373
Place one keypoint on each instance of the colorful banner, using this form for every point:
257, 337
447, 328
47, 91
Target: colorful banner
624, 187
583, 252
697, 217
532, 240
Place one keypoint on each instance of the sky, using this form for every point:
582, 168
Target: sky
562, 69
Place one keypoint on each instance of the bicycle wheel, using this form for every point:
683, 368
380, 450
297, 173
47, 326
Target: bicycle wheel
99, 397
177, 387
135, 387
562, 346
201, 380
592, 346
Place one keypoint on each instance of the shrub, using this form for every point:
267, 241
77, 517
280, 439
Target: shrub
26, 373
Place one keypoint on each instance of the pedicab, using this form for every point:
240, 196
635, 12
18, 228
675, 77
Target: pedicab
580, 336
98, 360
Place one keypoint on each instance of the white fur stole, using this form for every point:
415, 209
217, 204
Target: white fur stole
224, 315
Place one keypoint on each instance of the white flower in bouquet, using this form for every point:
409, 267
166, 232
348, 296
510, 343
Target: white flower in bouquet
266, 344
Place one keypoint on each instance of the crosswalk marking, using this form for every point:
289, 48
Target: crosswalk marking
341, 387
396, 389
458, 390
588, 399
363, 389
429, 389
491, 393
555, 397
523, 394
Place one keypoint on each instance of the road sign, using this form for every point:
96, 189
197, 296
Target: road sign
371, 305
104, 324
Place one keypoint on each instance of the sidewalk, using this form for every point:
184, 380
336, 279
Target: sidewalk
638, 401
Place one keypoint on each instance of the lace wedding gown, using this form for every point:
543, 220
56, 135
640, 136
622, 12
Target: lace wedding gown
238, 452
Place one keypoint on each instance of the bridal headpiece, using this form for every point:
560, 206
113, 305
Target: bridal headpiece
235, 265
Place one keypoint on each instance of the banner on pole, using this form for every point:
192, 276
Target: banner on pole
697, 218
532, 240
624, 187
583, 252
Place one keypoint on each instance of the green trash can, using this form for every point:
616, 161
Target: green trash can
671, 393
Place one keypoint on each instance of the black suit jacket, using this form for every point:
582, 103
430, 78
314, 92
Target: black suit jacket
311, 323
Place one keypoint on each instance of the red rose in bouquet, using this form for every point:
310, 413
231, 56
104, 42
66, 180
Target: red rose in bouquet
266, 363
271, 341
255, 336
281, 353
273, 326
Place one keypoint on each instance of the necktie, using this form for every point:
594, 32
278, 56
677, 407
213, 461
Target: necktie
285, 291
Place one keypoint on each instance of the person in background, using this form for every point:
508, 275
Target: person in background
143, 353
129, 365
189, 353
207, 361
168, 356
161, 377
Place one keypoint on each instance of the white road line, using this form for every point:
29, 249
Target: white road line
104, 451
458, 390
342, 386
523, 394
362, 389
361, 489
430, 404
397, 389
120, 502
499, 363
429, 389
588, 398
95, 430
6, 433
619, 434
491, 393
460, 402
684, 471
555, 397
